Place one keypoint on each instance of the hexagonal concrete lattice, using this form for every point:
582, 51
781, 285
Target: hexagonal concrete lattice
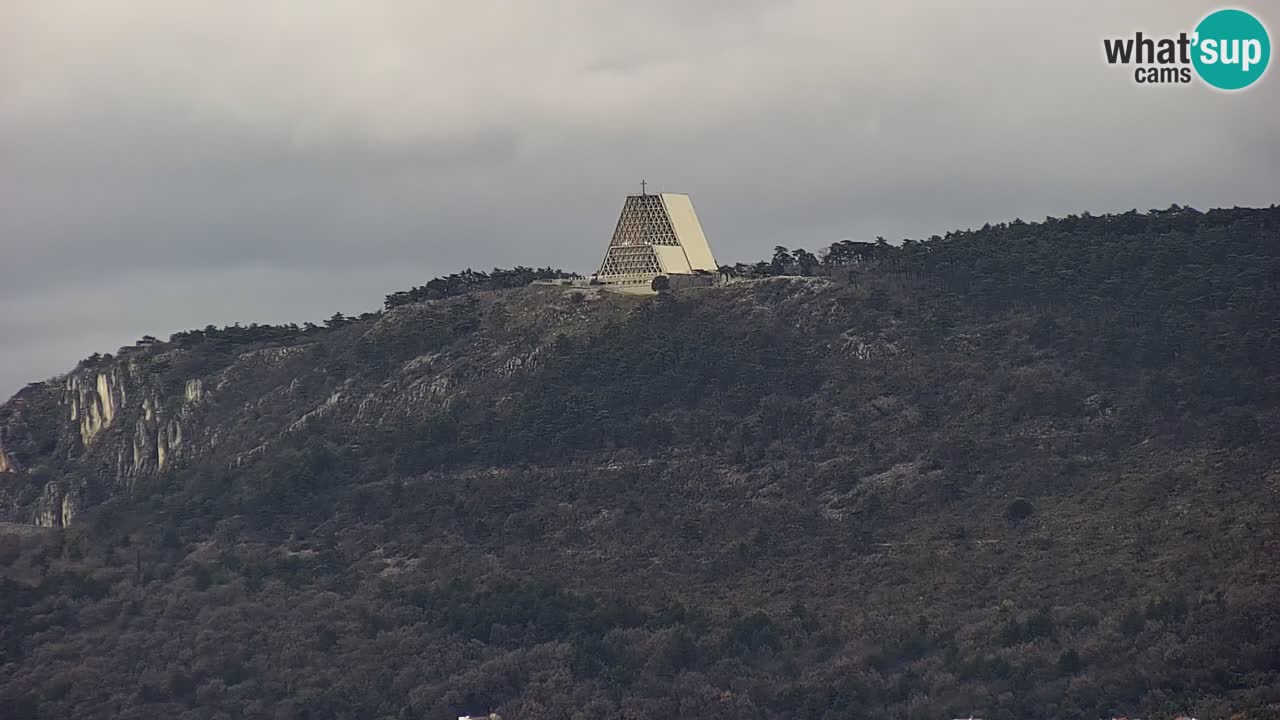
656, 235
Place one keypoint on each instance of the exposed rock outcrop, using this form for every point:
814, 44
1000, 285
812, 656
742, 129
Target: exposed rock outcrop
56, 506
115, 423
93, 400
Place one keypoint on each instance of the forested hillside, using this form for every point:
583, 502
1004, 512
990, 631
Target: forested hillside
1026, 471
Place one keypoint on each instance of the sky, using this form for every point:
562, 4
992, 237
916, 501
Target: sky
170, 164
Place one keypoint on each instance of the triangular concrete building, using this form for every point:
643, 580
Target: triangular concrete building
656, 235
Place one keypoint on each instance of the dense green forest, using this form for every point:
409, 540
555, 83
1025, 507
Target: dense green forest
1024, 471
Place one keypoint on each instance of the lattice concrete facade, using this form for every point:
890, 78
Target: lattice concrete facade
656, 235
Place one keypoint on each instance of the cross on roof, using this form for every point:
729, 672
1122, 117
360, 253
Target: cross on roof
642, 187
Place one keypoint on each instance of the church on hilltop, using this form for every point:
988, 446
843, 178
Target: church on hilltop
657, 235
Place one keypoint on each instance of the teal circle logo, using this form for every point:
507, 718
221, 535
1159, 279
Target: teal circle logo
1231, 49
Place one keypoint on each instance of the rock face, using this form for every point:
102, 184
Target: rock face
225, 398
92, 433
56, 506
92, 400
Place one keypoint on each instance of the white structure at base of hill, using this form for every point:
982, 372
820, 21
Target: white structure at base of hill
656, 235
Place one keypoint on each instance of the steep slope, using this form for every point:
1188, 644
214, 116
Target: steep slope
1027, 471
225, 397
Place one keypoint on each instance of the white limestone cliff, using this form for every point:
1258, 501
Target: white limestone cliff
94, 406
194, 391
55, 507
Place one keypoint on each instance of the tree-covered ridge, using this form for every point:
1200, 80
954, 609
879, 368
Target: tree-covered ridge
1166, 288
1180, 266
914, 485
470, 280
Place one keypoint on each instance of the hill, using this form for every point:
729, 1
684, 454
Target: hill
1023, 471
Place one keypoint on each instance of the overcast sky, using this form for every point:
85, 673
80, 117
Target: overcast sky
167, 164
